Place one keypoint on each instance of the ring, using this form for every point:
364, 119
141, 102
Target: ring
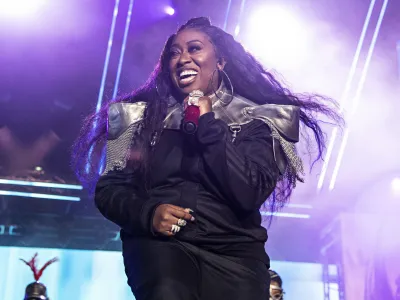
181, 222
175, 228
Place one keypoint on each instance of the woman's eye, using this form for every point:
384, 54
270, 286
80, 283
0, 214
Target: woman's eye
194, 49
173, 53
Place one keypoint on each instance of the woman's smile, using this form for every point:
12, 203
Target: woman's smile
186, 77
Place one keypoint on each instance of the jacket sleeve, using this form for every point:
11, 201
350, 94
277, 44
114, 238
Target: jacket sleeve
118, 199
245, 171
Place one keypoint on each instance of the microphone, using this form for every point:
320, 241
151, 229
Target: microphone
192, 112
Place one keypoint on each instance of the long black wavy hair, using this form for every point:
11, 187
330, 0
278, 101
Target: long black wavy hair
249, 79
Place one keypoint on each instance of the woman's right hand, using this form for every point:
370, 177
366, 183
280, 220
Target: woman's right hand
167, 215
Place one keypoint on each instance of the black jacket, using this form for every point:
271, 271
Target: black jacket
223, 182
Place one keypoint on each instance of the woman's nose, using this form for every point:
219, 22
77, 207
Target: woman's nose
184, 59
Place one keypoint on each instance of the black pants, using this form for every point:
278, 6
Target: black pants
173, 270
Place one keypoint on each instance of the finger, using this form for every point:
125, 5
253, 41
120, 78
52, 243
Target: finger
172, 221
205, 106
182, 215
184, 211
182, 222
170, 225
179, 208
166, 233
178, 221
188, 210
205, 99
163, 229
175, 229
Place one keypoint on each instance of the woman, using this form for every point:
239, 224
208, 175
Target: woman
188, 204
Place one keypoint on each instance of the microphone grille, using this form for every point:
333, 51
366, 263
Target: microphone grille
196, 94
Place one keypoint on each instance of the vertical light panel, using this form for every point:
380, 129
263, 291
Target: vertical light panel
349, 82
122, 54
358, 93
106, 64
228, 9
237, 28
119, 69
105, 70
108, 54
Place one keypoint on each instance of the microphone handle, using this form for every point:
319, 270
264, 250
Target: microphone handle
192, 112
191, 119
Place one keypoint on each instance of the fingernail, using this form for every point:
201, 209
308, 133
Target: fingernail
189, 210
192, 219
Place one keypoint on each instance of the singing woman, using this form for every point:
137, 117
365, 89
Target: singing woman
191, 158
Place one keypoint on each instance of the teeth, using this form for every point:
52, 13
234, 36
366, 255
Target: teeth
187, 72
187, 79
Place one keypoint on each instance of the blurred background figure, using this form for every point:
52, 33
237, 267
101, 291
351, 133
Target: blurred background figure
37, 290
275, 288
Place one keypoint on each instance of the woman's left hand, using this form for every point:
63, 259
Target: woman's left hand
205, 105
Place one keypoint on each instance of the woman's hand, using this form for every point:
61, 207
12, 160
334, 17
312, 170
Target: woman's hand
205, 105
167, 215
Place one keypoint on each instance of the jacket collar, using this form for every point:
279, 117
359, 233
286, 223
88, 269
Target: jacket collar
233, 110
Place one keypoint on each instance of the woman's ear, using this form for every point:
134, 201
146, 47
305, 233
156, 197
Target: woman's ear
221, 63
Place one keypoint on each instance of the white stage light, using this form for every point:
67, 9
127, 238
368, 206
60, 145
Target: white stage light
276, 36
169, 11
12, 8
396, 186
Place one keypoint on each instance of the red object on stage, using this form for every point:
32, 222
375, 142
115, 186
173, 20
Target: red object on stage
37, 273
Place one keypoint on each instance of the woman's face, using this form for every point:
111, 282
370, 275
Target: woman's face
192, 63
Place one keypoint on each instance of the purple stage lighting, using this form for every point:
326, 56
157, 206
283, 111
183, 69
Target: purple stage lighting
169, 11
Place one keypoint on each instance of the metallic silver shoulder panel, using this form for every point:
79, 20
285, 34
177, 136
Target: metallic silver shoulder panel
122, 115
241, 111
123, 121
283, 120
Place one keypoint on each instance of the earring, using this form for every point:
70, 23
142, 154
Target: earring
227, 77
